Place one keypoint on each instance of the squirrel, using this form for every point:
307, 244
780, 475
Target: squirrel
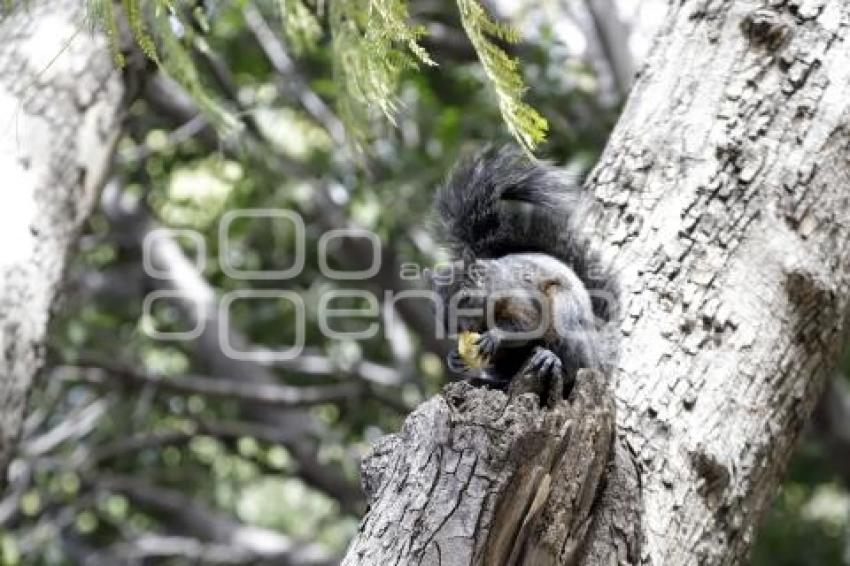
523, 290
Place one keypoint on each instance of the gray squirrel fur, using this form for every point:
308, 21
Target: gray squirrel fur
519, 263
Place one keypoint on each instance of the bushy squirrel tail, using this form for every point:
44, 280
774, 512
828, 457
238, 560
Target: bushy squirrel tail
500, 202
485, 195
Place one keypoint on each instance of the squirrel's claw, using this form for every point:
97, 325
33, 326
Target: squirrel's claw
545, 363
456, 363
487, 344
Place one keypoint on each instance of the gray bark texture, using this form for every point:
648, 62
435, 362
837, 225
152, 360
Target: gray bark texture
60, 97
723, 200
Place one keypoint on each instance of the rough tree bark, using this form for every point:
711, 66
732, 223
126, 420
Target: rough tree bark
723, 197
60, 97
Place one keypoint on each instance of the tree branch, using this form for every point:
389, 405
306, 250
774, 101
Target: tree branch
832, 424
612, 36
353, 253
506, 481
56, 144
153, 547
722, 201
288, 80
194, 518
261, 393
78, 424
201, 307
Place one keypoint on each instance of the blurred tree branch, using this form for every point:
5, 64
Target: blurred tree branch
831, 423
353, 253
201, 306
273, 394
194, 518
288, 80
611, 35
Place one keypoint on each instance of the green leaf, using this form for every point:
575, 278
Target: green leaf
101, 14
524, 122
301, 27
373, 42
137, 26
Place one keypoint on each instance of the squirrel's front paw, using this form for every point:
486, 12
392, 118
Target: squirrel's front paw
488, 343
545, 363
456, 362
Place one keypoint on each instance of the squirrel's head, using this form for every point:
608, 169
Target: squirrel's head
461, 295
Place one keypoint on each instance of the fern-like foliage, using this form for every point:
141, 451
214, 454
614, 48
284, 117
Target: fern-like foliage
160, 29
100, 14
178, 64
373, 42
139, 28
523, 121
301, 27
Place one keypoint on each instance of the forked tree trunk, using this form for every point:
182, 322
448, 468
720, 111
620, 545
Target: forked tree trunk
60, 97
724, 196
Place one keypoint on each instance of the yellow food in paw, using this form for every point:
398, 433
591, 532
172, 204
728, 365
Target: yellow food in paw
468, 350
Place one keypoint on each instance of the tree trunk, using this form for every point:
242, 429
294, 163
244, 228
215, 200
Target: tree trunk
723, 198
60, 97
